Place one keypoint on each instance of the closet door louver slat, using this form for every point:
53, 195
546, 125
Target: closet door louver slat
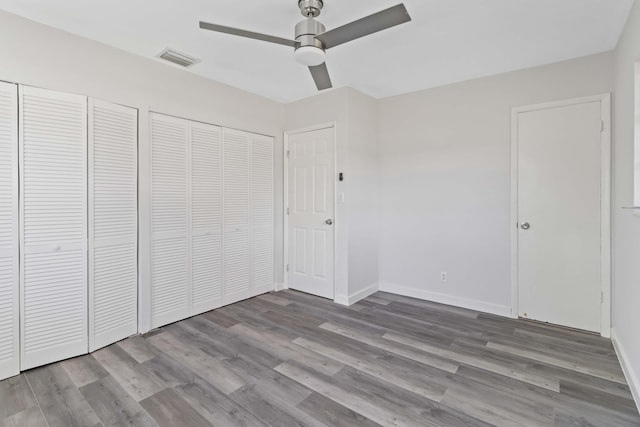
9, 272
113, 223
170, 252
206, 217
53, 160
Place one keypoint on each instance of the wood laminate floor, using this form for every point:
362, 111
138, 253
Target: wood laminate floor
290, 359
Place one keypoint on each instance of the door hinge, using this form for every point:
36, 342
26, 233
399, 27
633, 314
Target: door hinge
287, 211
601, 297
287, 153
601, 125
287, 267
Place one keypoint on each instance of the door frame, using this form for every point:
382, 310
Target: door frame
605, 202
285, 156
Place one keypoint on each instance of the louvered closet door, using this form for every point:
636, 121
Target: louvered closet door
206, 217
170, 252
53, 160
236, 215
262, 245
9, 289
113, 223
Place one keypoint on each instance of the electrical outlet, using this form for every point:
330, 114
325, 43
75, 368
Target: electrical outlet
444, 277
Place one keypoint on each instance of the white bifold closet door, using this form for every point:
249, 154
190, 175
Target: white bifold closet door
206, 217
236, 215
53, 198
212, 217
9, 253
170, 251
186, 218
248, 245
113, 223
262, 242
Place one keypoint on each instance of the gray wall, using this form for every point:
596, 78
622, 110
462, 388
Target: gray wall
445, 180
355, 117
626, 225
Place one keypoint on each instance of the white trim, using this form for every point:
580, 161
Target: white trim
354, 298
605, 205
328, 125
605, 218
144, 221
633, 380
482, 306
91, 230
636, 142
11, 366
285, 204
279, 286
285, 257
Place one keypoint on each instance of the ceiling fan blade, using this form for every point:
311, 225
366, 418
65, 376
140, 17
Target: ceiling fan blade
320, 76
248, 34
382, 20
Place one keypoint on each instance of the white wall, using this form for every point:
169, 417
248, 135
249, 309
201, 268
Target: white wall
363, 201
355, 118
445, 180
37, 55
324, 108
626, 225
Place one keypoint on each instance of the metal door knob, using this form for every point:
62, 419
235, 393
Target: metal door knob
329, 221
525, 226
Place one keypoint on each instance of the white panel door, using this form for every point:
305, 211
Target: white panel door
206, 217
311, 212
113, 223
236, 215
9, 253
559, 198
262, 244
170, 252
53, 183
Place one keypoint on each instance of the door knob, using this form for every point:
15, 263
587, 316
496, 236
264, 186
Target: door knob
329, 221
525, 226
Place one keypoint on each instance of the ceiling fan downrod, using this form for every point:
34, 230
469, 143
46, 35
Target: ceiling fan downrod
310, 8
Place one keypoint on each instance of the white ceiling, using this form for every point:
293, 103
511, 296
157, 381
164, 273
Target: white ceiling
447, 41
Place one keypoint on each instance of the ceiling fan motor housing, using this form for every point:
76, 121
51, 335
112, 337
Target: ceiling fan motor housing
306, 32
310, 8
309, 50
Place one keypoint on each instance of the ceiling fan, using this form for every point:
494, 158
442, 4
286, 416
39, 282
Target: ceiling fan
312, 39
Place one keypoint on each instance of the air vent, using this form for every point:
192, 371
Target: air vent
178, 58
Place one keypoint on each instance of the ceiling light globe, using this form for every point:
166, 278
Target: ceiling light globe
309, 55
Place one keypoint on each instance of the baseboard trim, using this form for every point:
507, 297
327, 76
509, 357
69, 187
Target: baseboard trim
629, 373
354, 298
280, 286
485, 307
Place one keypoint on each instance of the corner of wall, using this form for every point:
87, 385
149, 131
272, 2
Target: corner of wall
351, 299
627, 368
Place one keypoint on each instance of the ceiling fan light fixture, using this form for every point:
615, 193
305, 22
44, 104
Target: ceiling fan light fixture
309, 55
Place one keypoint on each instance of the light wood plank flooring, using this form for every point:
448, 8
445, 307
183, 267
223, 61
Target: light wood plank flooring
290, 359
